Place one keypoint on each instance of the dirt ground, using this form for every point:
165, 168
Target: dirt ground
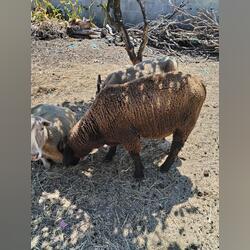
98, 205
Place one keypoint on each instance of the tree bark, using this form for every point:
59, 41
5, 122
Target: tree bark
119, 25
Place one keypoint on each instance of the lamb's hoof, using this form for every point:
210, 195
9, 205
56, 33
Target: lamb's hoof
107, 159
138, 176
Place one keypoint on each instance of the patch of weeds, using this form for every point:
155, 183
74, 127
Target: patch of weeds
44, 10
72, 9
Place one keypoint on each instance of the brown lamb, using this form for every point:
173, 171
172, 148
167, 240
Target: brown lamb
150, 107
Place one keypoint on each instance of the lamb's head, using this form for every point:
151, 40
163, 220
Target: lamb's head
79, 142
39, 136
69, 157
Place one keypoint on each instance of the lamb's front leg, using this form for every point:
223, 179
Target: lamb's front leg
111, 153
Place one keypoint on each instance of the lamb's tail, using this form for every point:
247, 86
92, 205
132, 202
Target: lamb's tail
204, 87
98, 84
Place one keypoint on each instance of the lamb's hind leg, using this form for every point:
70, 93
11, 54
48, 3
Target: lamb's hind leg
179, 139
111, 153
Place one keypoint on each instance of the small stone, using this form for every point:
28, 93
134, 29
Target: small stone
206, 173
199, 194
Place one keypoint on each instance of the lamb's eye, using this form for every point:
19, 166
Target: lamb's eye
42, 129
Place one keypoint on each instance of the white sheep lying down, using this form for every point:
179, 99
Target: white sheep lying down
49, 125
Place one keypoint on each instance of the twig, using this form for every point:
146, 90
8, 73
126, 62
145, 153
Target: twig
119, 25
145, 32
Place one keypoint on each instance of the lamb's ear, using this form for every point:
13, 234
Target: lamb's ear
43, 121
40, 120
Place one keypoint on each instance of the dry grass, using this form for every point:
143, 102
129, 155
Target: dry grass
102, 203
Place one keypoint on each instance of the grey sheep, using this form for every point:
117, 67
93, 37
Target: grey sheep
144, 68
49, 124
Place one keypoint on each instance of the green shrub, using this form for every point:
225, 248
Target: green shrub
73, 9
68, 10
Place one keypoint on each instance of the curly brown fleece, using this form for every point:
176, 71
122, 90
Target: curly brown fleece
150, 107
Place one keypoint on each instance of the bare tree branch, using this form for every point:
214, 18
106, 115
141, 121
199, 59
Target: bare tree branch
119, 25
128, 45
109, 17
145, 32
176, 8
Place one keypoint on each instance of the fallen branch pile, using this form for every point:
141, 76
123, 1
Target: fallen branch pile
182, 31
179, 31
78, 28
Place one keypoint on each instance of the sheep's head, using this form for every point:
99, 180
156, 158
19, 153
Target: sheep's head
69, 157
39, 136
